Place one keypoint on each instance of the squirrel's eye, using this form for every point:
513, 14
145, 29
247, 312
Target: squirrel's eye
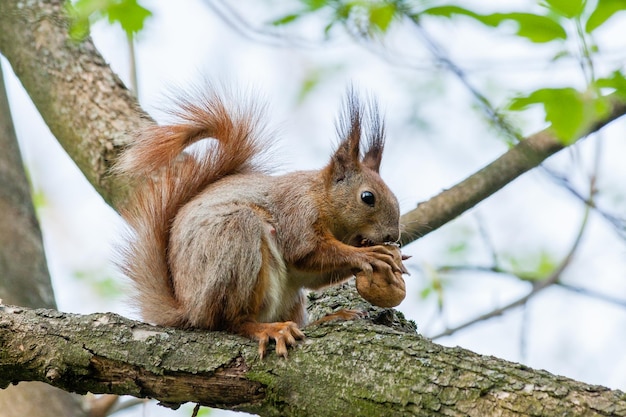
368, 198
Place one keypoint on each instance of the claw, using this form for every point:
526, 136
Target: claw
263, 340
284, 334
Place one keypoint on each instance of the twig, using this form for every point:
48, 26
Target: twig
486, 239
593, 294
248, 31
539, 286
618, 223
132, 70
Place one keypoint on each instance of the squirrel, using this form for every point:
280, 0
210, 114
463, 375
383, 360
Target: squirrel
217, 243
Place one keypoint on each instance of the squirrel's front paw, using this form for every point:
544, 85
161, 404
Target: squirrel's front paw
383, 286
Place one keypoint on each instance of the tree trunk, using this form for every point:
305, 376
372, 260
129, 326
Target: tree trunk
24, 277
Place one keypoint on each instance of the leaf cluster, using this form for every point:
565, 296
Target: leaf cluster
569, 111
130, 15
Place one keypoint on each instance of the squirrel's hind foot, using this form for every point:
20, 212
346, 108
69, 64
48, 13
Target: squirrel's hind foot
284, 334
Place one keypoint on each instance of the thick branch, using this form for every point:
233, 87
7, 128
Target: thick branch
83, 102
349, 368
25, 279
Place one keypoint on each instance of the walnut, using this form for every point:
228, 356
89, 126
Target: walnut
381, 288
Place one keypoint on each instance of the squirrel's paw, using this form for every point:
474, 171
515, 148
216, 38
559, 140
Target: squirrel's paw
381, 257
283, 333
384, 285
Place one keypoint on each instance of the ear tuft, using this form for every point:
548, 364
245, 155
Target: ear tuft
375, 129
349, 127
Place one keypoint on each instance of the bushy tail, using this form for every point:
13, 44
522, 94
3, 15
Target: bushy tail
168, 178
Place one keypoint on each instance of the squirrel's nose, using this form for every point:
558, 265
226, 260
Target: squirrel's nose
390, 238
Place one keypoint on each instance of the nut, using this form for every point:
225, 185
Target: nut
381, 288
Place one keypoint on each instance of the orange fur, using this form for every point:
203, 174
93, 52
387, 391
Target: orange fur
170, 185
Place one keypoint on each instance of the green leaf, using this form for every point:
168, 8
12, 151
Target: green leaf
458, 248
604, 10
79, 14
39, 199
531, 266
129, 14
313, 5
567, 8
310, 82
564, 110
546, 264
342, 12
328, 28
381, 15
568, 111
536, 28
286, 19
616, 82
449, 11
79, 29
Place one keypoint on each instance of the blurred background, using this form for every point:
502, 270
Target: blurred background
438, 82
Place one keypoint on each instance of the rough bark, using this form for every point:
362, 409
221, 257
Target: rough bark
83, 102
24, 277
348, 368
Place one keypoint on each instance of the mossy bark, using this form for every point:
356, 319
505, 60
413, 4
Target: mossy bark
354, 368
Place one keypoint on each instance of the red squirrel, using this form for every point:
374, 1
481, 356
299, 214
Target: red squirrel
217, 243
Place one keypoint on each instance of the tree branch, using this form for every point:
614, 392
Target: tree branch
376, 369
85, 105
527, 154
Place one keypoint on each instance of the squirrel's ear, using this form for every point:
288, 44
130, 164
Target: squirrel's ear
346, 158
375, 138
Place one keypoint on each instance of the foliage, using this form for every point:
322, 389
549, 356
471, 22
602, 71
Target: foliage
570, 111
130, 15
